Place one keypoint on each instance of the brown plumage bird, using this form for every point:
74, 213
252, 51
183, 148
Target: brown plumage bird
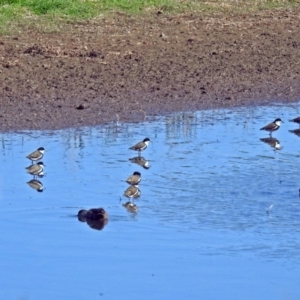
141, 145
132, 192
36, 155
36, 169
272, 126
134, 179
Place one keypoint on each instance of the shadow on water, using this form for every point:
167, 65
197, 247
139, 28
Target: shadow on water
219, 205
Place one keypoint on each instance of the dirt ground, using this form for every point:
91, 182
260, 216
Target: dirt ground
127, 68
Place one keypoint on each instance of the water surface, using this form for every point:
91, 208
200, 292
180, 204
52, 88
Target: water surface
202, 229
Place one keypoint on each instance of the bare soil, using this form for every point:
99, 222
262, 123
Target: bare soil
127, 68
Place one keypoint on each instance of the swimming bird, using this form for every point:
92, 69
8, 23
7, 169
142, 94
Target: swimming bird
272, 126
132, 192
36, 169
141, 145
134, 179
296, 120
36, 155
36, 184
96, 218
92, 214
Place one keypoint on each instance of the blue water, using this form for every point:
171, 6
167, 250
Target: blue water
202, 229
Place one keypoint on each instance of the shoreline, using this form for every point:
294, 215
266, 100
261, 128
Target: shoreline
129, 67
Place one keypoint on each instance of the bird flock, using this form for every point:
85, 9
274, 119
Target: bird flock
96, 218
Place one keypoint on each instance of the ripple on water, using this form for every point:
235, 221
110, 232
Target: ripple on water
208, 189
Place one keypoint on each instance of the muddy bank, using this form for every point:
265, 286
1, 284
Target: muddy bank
128, 67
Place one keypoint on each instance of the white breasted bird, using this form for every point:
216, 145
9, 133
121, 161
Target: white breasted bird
134, 179
36, 155
132, 192
141, 145
272, 126
36, 169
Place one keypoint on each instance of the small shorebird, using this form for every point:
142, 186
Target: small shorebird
296, 120
134, 179
36, 184
36, 169
36, 155
92, 214
132, 192
272, 142
272, 126
141, 145
140, 161
131, 207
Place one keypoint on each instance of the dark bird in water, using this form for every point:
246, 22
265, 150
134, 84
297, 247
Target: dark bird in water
141, 145
134, 179
36, 155
96, 218
272, 126
92, 214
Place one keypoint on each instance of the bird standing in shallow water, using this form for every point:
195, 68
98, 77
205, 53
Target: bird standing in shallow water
36, 169
141, 145
36, 155
272, 126
134, 179
132, 192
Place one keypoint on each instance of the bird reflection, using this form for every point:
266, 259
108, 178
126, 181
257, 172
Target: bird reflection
274, 143
36, 185
131, 207
141, 161
96, 218
295, 131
